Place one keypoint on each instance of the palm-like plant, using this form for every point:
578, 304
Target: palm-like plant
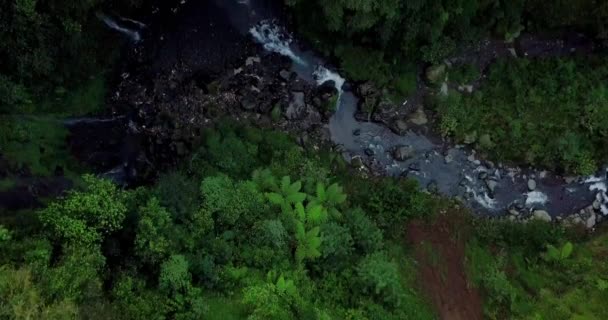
330, 198
287, 194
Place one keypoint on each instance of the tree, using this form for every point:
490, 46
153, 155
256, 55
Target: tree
174, 276
85, 217
152, 241
380, 277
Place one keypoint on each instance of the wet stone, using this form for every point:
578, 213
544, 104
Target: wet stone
482, 175
541, 215
286, 75
369, 152
414, 166
432, 187
491, 184
531, 185
402, 153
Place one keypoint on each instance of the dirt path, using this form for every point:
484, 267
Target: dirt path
439, 248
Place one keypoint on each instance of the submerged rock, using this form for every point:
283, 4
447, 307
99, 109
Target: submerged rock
402, 153
296, 107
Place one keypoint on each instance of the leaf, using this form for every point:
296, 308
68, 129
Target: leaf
552, 252
602, 284
281, 284
275, 198
295, 187
285, 183
296, 197
321, 192
335, 194
300, 211
314, 232
300, 254
567, 250
335, 213
314, 216
300, 231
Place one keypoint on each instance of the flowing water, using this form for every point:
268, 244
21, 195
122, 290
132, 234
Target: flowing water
455, 172
112, 24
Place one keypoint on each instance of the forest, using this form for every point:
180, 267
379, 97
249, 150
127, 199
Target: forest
254, 222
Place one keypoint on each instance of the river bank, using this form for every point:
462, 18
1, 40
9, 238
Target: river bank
183, 76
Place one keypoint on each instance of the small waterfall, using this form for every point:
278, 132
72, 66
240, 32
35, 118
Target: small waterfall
274, 39
322, 74
140, 24
134, 35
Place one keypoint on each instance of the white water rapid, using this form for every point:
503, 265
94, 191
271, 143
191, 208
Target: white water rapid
274, 39
132, 34
322, 74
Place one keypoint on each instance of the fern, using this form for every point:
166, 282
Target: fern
330, 198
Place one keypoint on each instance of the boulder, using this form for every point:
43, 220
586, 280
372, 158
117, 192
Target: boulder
491, 184
249, 103
419, 117
531, 185
286, 75
414, 166
435, 74
401, 126
402, 153
296, 107
591, 221
541, 215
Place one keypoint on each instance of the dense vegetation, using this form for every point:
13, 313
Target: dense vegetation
48, 46
276, 237
55, 56
254, 226
523, 102
533, 271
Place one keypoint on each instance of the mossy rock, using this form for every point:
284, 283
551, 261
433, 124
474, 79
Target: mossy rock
436, 74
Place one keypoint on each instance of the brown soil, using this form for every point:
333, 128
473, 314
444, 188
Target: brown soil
439, 248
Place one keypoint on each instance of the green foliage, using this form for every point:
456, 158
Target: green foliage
180, 204
525, 101
392, 201
362, 64
380, 277
37, 143
153, 234
464, 74
174, 276
21, 298
230, 201
554, 254
5, 234
85, 217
